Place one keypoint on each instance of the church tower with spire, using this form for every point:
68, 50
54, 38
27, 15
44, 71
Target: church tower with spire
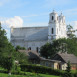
56, 27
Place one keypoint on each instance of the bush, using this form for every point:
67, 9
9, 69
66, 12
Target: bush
7, 63
68, 75
40, 69
75, 75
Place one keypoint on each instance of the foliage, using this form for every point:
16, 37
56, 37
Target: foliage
46, 49
7, 63
6, 51
27, 75
75, 75
21, 57
59, 45
68, 75
3, 39
68, 67
40, 69
20, 48
68, 71
70, 32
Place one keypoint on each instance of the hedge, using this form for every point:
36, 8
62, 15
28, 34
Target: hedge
41, 69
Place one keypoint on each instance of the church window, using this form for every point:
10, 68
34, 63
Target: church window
59, 27
29, 48
57, 30
52, 17
52, 31
37, 49
57, 18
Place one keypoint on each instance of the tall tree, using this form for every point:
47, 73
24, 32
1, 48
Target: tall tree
46, 50
70, 32
3, 39
6, 51
8, 54
59, 45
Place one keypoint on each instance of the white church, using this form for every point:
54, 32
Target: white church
34, 37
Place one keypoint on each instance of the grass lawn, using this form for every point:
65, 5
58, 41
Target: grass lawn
28, 74
33, 75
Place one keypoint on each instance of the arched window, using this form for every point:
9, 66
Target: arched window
57, 18
37, 49
52, 30
57, 30
59, 27
29, 48
52, 17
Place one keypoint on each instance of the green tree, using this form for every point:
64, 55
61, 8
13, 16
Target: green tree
59, 45
21, 57
68, 71
46, 50
3, 39
68, 67
20, 48
7, 63
8, 53
70, 32
6, 49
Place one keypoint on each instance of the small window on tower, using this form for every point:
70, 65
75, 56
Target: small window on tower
59, 27
52, 31
52, 17
57, 30
57, 18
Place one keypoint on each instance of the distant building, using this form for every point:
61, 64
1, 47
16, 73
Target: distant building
33, 56
34, 37
64, 58
59, 61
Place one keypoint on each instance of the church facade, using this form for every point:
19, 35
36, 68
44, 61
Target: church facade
34, 37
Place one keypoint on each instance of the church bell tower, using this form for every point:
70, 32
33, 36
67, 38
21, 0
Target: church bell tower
53, 21
56, 26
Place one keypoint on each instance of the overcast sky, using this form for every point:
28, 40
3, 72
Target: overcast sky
19, 13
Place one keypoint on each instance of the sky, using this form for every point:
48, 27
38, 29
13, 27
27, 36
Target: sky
30, 13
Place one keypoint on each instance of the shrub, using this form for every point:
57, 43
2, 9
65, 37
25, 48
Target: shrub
41, 69
75, 75
68, 75
7, 63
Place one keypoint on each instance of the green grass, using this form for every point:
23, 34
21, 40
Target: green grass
49, 75
28, 75
73, 71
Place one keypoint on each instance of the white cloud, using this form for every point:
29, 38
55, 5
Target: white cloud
15, 22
